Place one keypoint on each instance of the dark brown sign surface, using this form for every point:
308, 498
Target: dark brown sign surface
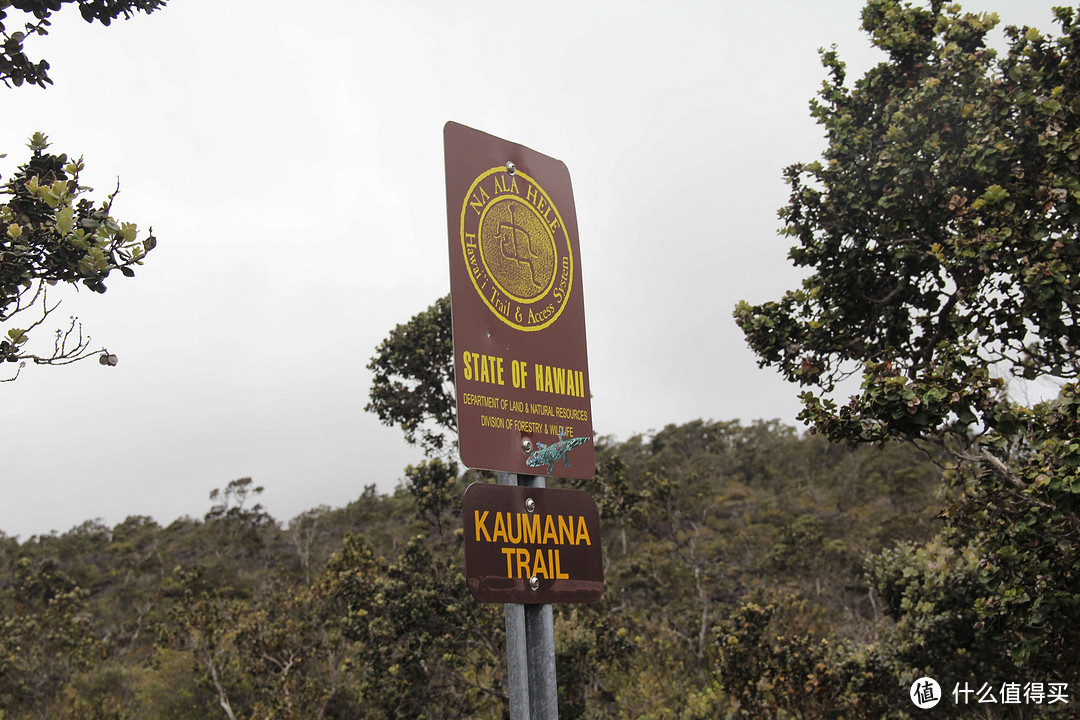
522, 376
531, 545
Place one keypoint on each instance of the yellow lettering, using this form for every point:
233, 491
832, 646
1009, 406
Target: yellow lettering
531, 194
549, 530
500, 528
582, 531
483, 368
559, 574
539, 568
477, 203
509, 525
561, 381
522, 562
509, 552
531, 534
520, 372
480, 520
566, 530
559, 375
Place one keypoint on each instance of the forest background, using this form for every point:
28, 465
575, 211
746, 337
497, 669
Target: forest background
926, 527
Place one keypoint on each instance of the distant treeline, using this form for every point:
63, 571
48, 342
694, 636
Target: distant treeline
751, 571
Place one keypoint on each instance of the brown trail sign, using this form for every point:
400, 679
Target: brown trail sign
531, 545
522, 385
521, 365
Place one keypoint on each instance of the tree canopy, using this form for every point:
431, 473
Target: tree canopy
16, 67
53, 233
940, 232
733, 583
414, 379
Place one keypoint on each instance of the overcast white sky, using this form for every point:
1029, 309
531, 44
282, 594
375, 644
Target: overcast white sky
290, 162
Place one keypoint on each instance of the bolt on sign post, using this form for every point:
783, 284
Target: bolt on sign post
523, 402
521, 366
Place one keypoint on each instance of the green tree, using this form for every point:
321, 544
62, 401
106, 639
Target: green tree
425, 648
16, 67
45, 637
238, 529
433, 485
768, 661
940, 235
50, 232
414, 379
291, 646
54, 234
701, 523
203, 623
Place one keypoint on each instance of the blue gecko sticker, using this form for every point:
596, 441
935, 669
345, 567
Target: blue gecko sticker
550, 454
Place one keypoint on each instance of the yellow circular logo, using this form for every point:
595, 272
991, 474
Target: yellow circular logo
516, 249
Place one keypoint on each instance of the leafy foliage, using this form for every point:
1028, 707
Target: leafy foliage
775, 669
51, 232
54, 234
414, 377
16, 67
44, 639
941, 223
750, 571
940, 231
370, 615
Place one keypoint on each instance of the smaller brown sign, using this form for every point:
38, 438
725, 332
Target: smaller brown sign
529, 545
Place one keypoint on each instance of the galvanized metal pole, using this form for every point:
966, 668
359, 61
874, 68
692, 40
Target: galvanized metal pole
530, 647
540, 643
517, 664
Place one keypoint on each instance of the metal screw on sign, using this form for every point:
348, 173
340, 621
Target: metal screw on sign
530, 504
534, 582
511, 167
526, 445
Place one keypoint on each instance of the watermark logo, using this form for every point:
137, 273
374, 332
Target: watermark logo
1012, 693
925, 693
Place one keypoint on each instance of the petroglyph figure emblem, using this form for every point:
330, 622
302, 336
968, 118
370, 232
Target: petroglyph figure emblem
516, 249
516, 244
